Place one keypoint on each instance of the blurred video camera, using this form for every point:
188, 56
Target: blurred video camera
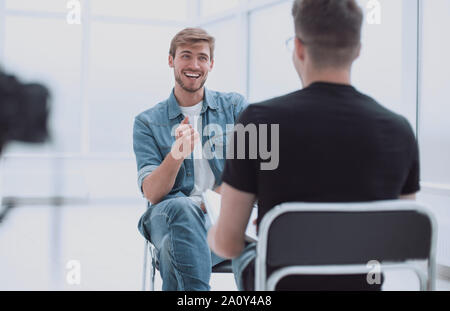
24, 110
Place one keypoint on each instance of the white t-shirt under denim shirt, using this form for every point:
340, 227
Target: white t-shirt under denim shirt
203, 176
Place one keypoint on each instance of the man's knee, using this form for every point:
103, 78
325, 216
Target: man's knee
164, 251
164, 217
182, 209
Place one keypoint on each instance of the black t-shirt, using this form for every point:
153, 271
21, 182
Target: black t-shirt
335, 145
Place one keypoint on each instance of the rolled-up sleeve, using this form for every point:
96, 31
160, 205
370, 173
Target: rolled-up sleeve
148, 155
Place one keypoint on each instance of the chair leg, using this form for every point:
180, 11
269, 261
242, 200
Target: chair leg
152, 269
145, 268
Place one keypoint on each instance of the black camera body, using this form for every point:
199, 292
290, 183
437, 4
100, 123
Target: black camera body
24, 110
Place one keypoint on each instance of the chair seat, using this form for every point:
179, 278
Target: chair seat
222, 267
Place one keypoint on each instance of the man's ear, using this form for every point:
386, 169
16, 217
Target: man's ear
170, 61
300, 51
359, 50
211, 66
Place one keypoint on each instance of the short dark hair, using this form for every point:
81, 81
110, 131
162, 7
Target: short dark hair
330, 30
189, 36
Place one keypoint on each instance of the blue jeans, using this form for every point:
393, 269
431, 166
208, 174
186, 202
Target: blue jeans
177, 228
240, 263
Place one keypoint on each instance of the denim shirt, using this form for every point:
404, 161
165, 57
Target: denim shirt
154, 135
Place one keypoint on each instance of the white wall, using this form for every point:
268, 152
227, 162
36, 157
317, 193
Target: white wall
434, 112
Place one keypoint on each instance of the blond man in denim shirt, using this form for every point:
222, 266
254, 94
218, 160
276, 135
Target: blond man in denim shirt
180, 147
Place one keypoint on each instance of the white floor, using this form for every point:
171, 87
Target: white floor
106, 244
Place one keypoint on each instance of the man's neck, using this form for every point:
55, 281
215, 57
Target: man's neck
188, 99
330, 75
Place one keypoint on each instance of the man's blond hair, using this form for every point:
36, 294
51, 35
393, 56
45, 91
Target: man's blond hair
189, 36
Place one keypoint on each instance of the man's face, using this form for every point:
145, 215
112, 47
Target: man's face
191, 66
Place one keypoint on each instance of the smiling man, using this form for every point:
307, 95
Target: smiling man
171, 142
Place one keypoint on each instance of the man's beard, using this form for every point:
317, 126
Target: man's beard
184, 87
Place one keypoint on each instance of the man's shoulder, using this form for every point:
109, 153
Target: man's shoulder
402, 125
271, 107
225, 98
382, 118
380, 112
286, 98
155, 115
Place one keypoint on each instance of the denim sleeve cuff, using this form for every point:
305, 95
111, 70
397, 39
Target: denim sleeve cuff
144, 172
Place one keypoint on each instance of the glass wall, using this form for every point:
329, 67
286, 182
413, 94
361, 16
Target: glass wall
435, 108
114, 65
39, 6
434, 111
101, 74
48, 50
128, 73
214, 7
387, 67
172, 10
270, 63
229, 72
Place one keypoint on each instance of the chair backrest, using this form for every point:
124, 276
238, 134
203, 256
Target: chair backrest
330, 234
